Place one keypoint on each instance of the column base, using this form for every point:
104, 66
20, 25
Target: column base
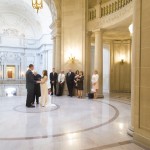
130, 131
100, 96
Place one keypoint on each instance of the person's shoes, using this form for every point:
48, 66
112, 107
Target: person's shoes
27, 106
32, 105
51, 93
37, 102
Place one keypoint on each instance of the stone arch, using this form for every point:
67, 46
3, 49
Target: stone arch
55, 8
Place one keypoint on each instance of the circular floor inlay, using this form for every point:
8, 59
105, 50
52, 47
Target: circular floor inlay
36, 109
73, 116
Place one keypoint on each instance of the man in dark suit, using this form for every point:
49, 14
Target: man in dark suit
70, 82
37, 89
53, 81
30, 86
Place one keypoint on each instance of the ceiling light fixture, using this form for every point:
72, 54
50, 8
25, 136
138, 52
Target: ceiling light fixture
37, 4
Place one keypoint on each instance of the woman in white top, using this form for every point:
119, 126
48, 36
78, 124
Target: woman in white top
95, 83
44, 89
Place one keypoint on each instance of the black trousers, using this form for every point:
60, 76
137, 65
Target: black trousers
30, 95
36, 97
53, 87
70, 88
60, 89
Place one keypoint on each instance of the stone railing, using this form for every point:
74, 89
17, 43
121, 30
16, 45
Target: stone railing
105, 9
113, 6
103, 20
20, 42
92, 14
21, 81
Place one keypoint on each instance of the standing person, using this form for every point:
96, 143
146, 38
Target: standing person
95, 83
61, 81
53, 81
37, 90
75, 81
80, 84
44, 89
30, 86
70, 82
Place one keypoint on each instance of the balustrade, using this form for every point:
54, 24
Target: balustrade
108, 8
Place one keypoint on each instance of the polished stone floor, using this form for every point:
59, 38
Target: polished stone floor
71, 124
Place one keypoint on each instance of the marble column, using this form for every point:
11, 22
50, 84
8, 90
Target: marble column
88, 62
98, 59
56, 34
5, 73
131, 125
58, 53
54, 50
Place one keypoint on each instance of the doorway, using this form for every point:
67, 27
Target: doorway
10, 72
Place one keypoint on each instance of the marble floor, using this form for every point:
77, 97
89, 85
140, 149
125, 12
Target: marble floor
72, 124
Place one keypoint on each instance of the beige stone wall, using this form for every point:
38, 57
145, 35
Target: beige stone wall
73, 34
142, 72
120, 73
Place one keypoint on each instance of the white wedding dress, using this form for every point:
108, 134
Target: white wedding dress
44, 91
45, 99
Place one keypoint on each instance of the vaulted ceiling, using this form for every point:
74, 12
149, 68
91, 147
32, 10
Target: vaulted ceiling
18, 15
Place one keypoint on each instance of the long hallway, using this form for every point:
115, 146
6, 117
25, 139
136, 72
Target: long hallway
73, 124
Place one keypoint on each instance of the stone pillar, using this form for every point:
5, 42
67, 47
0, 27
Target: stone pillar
98, 59
131, 125
56, 33
88, 63
5, 73
54, 50
58, 53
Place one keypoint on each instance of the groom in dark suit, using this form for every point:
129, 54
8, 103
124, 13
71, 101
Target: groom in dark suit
30, 86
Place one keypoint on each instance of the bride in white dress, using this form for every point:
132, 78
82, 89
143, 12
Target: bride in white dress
44, 89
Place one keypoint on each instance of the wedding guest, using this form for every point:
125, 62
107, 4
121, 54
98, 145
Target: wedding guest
44, 89
75, 81
95, 83
80, 80
70, 82
37, 90
53, 81
61, 81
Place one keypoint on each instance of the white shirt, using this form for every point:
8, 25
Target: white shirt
61, 77
95, 78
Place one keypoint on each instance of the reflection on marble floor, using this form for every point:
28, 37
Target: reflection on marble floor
76, 124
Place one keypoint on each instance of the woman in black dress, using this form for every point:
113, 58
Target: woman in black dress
80, 84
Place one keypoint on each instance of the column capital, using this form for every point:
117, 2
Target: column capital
56, 28
99, 31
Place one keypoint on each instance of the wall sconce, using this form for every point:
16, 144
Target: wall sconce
122, 61
72, 58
